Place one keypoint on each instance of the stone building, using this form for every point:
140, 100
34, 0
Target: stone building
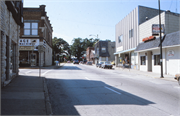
37, 31
11, 19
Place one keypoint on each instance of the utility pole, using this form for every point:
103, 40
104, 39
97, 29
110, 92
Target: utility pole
161, 60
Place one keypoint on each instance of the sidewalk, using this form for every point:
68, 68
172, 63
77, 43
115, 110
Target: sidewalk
45, 67
149, 74
26, 95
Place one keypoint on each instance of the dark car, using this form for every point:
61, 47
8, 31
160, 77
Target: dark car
177, 77
76, 62
89, 63
84, 62
99, 64
107, 64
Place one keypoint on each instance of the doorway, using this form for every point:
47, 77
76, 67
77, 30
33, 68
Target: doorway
33, 59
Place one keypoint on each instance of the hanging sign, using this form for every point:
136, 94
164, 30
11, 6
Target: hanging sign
170, 53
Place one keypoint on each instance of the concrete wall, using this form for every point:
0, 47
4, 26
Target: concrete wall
173, 62
48, 55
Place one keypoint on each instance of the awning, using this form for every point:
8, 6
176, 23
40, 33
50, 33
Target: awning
129, 50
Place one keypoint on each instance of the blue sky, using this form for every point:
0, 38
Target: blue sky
80, 18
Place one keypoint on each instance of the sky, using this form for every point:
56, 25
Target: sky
80, 18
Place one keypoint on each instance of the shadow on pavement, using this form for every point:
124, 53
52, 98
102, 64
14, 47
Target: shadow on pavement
66, 94
23, 96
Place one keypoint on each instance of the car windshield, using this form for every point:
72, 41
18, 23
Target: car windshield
107, 62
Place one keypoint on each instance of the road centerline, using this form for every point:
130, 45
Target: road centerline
112, 90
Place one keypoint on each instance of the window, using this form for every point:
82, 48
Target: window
143, 60
130, 33
156, 59
120, 38
103, 49
97, 50
30, 28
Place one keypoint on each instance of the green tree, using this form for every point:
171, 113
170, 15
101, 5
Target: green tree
79, 45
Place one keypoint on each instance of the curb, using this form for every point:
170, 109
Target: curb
47, 101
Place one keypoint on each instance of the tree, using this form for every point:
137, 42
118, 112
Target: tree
79, 45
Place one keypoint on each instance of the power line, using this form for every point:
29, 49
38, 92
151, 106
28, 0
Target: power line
170, 4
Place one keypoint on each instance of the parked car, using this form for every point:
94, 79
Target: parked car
76, 62
99, 64
89, 63
107, 64
68, 61
177, 77
84, 62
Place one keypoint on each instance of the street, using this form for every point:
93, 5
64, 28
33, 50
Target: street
87, 90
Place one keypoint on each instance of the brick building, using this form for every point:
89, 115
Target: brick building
10, 21
90, 54
37, 30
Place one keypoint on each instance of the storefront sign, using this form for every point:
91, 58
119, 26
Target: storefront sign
26, 48
171, 53
119, 49
156, 28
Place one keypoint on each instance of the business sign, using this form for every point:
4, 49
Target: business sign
26, 48
170, 53
156, 28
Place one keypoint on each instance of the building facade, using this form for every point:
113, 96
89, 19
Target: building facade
89, 54
104, 51
127, 35
11, 19
37, 31
149, 51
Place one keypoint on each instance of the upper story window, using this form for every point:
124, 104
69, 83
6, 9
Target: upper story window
30, 28
130, 33
103, 49
120, 38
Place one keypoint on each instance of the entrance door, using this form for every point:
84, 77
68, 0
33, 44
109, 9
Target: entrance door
33, 59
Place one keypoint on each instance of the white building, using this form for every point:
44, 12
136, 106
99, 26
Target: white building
149, 52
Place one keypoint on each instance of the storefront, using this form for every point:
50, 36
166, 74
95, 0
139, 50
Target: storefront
130, 58
149, 54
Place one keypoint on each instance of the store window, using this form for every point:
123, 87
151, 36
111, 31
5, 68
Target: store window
120, 38
131, 33
30, 28
143, 60
156, 59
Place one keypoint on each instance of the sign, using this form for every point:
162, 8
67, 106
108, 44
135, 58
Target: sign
26, 48
41, 48
156, 29
119, 49
170, 53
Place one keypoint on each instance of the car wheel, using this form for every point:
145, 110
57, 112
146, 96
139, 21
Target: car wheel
179, 80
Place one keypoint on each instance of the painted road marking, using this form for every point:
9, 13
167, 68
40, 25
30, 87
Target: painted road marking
112, 90
27, 72
87, 78
46, 72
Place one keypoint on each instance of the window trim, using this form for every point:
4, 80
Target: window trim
155, 62
31, 29
144, 60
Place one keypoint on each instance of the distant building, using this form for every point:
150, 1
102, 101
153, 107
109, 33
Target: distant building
104, 51
89, 54
37, 30
11, 19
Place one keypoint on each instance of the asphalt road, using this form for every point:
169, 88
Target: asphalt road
87, 90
